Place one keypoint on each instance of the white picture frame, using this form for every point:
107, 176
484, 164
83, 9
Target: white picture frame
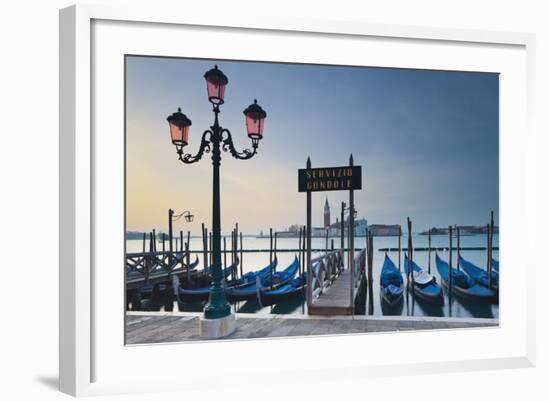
91, 361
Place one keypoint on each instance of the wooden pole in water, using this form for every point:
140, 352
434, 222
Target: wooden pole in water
144, 237
188, 257
399, 249
237, 248
232, 247
204, 247
210, 251
224, 252
304, 249
154, 241
149, 264
170, 236
410, 253
457, 247
308, 241
450, 280
300, 251
275, 245
342, 224
270, 245
429, 251
352, 239
181, 249
491, 251
241, 259
188, 242
487, 260
332, 244
369, 273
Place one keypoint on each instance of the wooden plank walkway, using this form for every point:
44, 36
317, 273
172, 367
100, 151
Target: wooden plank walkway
163, 327
335, 300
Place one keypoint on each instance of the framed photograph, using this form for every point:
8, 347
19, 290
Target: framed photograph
235, 188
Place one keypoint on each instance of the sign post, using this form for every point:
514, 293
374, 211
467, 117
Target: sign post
345, 178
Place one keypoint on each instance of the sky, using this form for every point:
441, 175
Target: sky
427, 142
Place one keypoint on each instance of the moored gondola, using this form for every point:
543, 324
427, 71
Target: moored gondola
425, 285
479, 275
462, 285
248, 279
293, 290
274, 280
391, 283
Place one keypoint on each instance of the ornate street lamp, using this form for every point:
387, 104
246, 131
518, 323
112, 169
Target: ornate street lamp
214, 140
175, 217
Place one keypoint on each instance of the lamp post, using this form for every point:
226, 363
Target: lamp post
175, 217
214, 140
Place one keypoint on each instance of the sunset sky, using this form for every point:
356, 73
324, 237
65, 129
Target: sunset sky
427, 142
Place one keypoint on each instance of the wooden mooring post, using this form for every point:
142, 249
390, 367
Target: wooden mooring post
410, 255
308, 240
187, 255
457, 228
430, 251
490, 250
342, 224
369, 271
204, 248
399, 247
241, 258
450, 281
352, 239
270, 245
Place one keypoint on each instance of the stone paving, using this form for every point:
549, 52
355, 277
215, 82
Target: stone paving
164, 327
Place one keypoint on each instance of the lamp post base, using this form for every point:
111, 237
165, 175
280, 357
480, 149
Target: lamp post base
210, 329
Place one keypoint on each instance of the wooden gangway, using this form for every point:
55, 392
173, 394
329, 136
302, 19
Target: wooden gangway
335, 289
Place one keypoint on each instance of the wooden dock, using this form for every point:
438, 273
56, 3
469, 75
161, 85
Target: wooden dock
335, 290
336, 298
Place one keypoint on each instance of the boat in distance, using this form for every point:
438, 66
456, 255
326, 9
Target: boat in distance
391, 283
424, 285
462, 285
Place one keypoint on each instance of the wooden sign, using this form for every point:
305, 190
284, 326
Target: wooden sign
329, 179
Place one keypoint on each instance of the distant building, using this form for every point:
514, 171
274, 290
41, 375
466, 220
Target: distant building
327, 214
385, 230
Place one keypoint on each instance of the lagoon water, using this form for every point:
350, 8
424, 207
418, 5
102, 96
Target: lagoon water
410, 307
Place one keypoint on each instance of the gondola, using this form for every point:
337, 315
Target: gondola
391, 283
293, 290
496, 265
179, 257
479, 275
274, 280
248, 279
425, 285
226, 271
462, 285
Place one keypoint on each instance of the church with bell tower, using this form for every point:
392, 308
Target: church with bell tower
327, 214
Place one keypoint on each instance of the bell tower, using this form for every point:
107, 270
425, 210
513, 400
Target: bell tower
327, 213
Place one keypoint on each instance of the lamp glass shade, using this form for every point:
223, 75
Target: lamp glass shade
216, 82
179, 133
254, 119
179, 128
255, 125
